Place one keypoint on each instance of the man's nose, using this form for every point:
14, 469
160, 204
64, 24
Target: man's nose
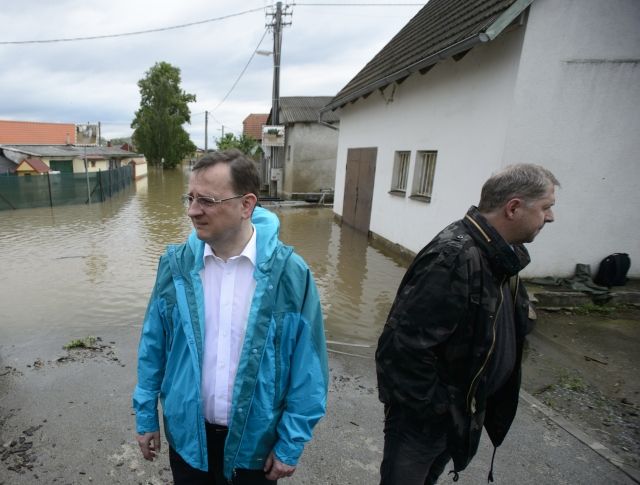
549, 217
194, 209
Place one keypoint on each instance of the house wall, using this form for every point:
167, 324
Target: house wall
141, 168
78, 165
459, 109
576, 112
310, 162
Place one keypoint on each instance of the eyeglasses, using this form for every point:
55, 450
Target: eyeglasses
205, 202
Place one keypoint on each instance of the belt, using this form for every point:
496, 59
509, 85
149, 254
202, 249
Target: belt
215, 428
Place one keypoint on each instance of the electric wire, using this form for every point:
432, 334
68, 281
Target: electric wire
128, 34
242, 72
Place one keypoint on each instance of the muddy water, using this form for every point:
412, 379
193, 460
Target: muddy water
88, 267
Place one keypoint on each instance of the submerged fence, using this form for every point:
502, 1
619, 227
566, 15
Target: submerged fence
21, 192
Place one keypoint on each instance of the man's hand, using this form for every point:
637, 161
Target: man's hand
149, 444
275, 469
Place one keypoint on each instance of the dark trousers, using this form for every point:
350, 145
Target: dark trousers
415, 453
184, 474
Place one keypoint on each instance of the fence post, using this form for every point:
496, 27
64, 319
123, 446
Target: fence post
100, 182
49, 184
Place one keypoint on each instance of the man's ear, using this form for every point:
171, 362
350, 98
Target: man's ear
249, 202
511, 208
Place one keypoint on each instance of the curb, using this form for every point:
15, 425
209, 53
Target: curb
581, 436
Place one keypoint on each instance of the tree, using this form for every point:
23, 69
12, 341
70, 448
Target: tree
158, 131
244, 143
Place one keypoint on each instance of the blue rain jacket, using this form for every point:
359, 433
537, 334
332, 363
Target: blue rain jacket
280, 389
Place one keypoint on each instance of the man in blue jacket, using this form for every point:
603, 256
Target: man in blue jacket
233, 342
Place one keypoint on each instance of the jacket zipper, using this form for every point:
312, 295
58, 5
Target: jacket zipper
471, 402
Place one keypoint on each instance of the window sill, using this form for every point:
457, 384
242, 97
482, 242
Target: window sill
421, 198
398, 193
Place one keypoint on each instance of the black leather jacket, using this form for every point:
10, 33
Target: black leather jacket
433, 353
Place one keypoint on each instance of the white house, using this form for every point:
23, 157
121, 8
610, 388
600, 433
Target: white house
466, 88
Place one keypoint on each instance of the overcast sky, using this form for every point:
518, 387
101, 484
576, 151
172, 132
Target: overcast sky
96, 80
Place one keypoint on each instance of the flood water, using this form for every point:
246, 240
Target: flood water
90, 267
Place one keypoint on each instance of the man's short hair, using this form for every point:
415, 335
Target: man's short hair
244, 174
525, 181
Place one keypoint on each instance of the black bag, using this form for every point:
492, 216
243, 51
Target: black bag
613, 270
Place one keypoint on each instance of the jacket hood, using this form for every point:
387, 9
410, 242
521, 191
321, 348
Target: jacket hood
267, 227
506, 259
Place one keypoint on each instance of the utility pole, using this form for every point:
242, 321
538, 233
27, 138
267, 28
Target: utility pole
206, 132
276, 26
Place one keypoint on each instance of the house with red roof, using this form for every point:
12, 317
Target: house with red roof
252, 125
32, 166
36, 133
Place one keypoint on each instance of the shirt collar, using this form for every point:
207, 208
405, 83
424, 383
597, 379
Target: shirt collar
249, 251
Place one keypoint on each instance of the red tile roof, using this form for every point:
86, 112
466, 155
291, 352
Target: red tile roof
36, 133
252, 125
36, 164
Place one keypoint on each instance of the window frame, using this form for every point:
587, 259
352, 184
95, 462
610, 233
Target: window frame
424, 175
400, 173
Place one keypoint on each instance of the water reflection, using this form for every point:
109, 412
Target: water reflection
90, 266
357, 283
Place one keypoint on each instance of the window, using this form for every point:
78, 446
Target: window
400, 172
423, 175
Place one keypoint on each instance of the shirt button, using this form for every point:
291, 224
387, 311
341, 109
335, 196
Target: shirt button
255, 351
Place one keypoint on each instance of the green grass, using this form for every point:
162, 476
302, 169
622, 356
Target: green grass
85, 343
594, 309
572, 383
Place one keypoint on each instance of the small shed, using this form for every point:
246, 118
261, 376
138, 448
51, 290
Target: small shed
32, 166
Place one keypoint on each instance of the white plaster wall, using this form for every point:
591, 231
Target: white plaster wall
461, 110
577, 112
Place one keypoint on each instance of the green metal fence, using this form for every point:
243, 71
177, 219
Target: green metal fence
21, 192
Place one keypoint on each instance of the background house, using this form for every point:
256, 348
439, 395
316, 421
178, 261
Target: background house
70, 159
466, 88
252, 125
37, 133
310, 146
54, 145
32, 166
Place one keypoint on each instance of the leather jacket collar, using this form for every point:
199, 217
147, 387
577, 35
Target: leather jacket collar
505, 259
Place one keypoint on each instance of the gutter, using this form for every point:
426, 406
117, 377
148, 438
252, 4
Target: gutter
324, 123
489, 34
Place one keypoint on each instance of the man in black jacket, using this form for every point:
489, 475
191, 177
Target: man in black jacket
449, 357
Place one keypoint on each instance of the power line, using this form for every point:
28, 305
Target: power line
128, 34
241, 73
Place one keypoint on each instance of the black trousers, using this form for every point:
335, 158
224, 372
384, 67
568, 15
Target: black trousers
185, 474
415, 453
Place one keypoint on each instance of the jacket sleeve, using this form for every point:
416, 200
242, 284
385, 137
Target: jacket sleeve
306, 400
430, 304
151, 365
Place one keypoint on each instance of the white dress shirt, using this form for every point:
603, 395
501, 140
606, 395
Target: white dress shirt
228, 290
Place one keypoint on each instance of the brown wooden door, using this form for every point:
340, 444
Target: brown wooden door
358, 187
